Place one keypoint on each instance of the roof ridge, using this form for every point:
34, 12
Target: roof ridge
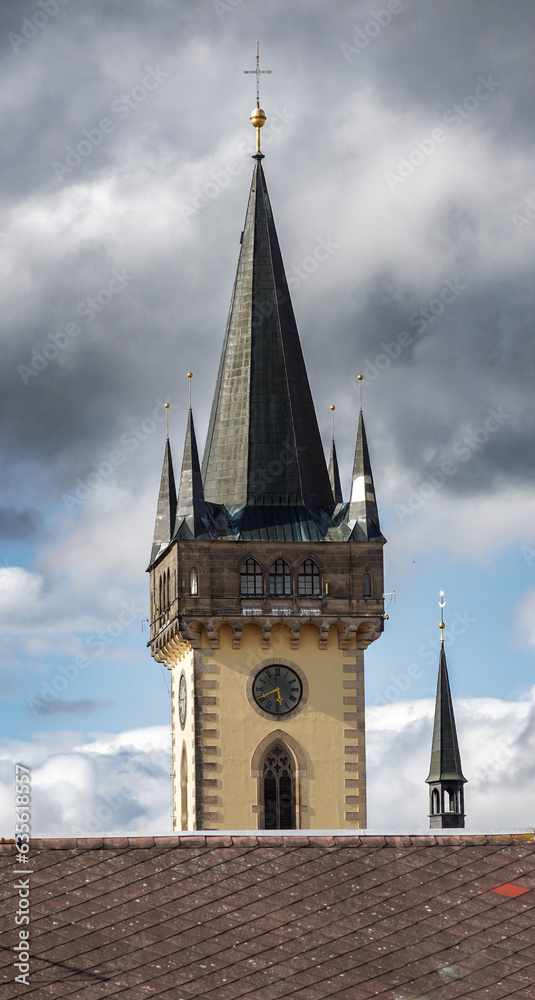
260, 839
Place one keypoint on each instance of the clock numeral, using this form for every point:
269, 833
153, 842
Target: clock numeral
277, 671
293, 698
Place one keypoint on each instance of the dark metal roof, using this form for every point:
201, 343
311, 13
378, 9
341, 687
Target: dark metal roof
191, 509
363, 513
263, 438
334, 475
166, 509
306, 917
445, 755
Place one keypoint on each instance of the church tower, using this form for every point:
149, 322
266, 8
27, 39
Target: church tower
266, 588
445, 778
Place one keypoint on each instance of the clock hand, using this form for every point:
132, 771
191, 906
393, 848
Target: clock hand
267, 694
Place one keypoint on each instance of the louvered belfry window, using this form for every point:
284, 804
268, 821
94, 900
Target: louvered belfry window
279, 790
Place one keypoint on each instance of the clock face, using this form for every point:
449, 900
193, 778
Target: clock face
277, 689
182, 701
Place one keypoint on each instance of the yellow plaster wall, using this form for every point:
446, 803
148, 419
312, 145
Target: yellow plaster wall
320, 728
184, 663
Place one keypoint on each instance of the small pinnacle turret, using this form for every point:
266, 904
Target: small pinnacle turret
363, 516
334, 473
191, 508
166, 509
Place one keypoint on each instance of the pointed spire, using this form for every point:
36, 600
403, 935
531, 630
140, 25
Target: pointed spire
191, 508
166, 509
362, 504
263, 443
445, 778
334, 474
445, 755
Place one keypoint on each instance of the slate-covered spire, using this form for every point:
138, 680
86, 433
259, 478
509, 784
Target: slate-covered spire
263, 444
363, 505
190, 508
445, 778
166, 509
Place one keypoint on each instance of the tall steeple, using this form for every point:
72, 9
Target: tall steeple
267, 597
445, 778
166, 509
363, 515
263, 443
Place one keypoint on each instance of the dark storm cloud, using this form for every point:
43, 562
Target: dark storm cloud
120, 209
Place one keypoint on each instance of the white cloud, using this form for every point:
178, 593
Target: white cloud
20, 594
119, 783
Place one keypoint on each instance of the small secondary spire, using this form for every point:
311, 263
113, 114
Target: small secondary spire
257, 117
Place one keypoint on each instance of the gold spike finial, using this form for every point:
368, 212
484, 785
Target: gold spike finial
257, 117
360, 378
442, 626
190, 376
167, 417
333, 408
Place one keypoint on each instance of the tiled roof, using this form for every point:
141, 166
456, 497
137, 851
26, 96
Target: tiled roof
261, 918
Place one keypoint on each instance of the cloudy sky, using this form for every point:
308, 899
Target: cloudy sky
400, 136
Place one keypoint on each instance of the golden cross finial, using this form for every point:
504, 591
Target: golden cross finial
442, 626
190, 376
257, 117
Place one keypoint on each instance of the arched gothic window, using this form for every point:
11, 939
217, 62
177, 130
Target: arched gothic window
309, 579
251, 579
160, 595
168, 590
279, 789
193, 582
367, 583
280, 579
435, 802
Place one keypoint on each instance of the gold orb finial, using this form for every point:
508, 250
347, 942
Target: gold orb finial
333, 407
360, 377
166, 405
190, 374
